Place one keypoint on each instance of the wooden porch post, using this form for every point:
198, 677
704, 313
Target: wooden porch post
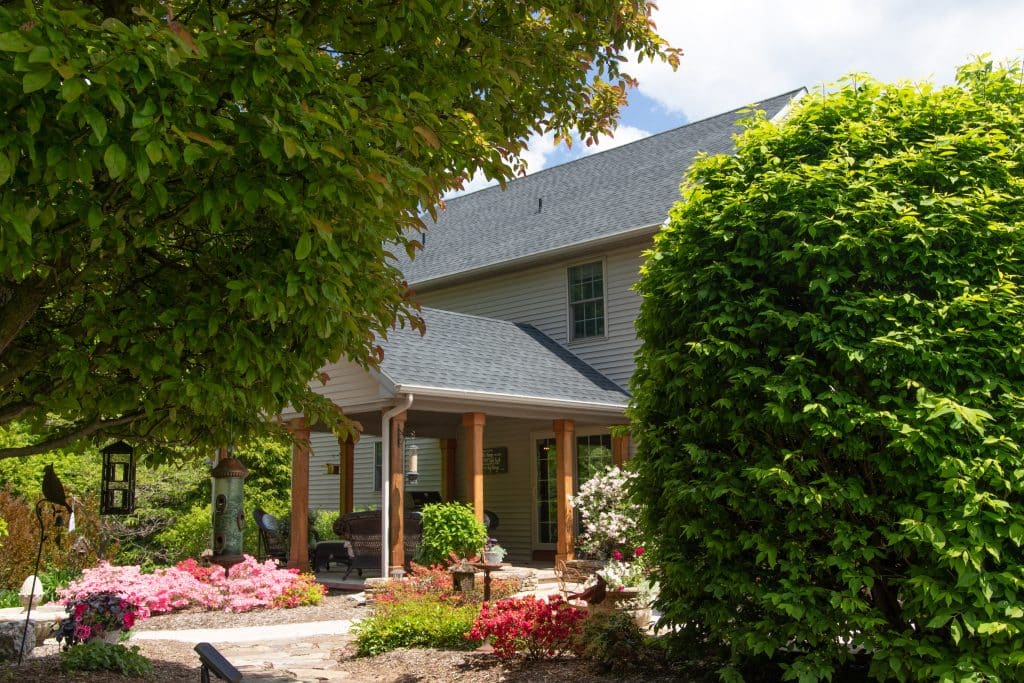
396, 524
620, 450
298, 551
473, 425
347, 452
566, 454
448, 485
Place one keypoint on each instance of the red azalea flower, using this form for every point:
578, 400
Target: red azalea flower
639, 551
617, 555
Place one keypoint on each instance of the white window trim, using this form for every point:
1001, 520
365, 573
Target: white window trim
570, 327
378, 457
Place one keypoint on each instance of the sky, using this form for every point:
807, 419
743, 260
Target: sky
738, 51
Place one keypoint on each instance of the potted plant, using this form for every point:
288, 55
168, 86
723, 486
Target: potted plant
628, 585
492, 552
99, 616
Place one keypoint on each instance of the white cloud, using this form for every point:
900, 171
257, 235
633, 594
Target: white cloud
623, 136
738, 51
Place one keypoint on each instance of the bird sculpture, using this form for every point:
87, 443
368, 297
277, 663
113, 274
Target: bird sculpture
595, 594
53, 490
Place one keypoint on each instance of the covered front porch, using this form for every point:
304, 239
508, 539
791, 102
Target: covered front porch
486, 412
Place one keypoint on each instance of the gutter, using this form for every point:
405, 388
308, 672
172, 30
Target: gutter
385, 481
517, 399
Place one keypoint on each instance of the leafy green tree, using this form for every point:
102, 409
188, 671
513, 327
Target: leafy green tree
196, 206
830, 394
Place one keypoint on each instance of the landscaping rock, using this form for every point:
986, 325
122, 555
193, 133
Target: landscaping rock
11, 642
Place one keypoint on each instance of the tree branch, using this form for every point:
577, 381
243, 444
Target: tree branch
25, 299
70, 437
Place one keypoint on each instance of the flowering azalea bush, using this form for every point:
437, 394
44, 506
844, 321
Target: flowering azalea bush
249, 585
95, 616
610, 520
530, 627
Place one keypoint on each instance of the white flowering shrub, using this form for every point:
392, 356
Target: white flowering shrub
609, 519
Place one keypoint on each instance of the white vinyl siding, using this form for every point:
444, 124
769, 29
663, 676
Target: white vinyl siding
538, 296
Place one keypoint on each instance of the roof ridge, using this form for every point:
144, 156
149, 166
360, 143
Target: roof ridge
734, 110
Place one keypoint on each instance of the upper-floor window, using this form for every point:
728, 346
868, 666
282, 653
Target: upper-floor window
586, 300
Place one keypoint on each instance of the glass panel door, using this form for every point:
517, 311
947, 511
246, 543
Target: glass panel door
547, 498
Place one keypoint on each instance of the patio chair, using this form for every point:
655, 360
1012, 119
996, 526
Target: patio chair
272, 541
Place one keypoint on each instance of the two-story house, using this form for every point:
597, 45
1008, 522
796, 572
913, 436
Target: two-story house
509, 399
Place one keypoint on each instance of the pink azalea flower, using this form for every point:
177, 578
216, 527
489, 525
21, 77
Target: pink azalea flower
617, 555
639, 551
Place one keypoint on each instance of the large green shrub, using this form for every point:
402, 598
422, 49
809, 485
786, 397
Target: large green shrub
449, 528
830, 394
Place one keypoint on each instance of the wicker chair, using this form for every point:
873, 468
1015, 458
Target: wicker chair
272, 542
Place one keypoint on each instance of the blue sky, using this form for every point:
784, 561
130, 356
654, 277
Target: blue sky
737, 51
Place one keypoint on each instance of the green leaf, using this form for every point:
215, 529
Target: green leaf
98, 123
94, 218
303, 247
116, 160
142, 168
72, 89
36, 80
14, 41
6, 169
290, 148
155, 151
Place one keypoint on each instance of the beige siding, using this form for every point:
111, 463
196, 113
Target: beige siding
510, 496
429, 468
324, 489
538, 296
348, 384
365, 498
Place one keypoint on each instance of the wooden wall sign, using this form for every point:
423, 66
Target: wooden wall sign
496, 460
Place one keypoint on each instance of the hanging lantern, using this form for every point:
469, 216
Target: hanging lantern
117, 486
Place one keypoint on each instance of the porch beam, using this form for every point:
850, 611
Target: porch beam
565, 455
620, 450
473, 426
396, 483
298, 549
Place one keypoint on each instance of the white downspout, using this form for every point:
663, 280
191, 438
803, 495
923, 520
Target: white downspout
385, 482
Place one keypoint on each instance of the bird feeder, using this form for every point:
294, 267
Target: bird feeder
117, 486
228, 515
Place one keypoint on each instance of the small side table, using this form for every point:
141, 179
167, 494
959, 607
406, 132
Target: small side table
487, 569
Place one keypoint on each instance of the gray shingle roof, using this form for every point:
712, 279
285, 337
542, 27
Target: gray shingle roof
469, 353
631, 186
